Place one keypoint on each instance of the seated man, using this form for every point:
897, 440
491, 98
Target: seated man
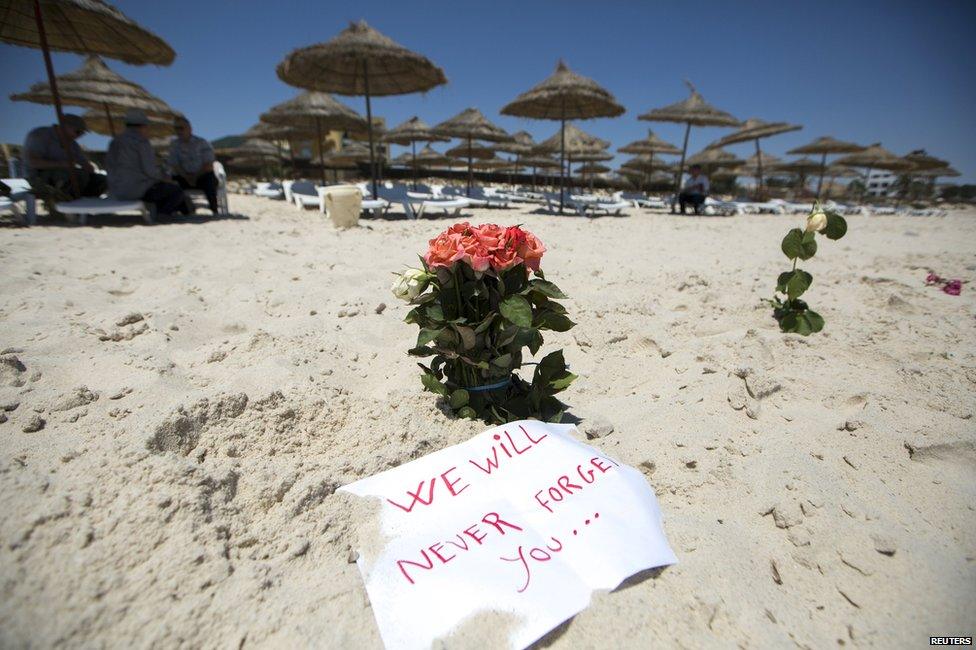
695, 190
49, 167
191, 160
134, 174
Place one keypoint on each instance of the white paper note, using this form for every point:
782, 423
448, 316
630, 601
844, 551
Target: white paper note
522, 519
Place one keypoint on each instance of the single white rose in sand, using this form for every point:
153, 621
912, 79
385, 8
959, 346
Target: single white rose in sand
410, 284
816, 221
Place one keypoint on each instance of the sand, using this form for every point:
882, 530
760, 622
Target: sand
182, 401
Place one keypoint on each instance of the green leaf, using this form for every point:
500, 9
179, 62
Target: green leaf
517, 310
435, 312
427, 335
808, 245
535, 342
485, 324
503, 361
836, 227
794, 283
815, 321
422, 352
562, 382
546, 288
550, 320
459, 398
430, 383
793, 243
467, 412
467, 337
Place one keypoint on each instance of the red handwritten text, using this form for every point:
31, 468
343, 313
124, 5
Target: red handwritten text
568, 484
417, 496
509, 450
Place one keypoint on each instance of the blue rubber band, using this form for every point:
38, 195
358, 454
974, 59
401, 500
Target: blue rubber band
500, 384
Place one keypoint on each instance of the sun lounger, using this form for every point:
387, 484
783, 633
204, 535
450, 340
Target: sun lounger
305, 194
415, 207
80, 209
269, 190
20, 191
200, 199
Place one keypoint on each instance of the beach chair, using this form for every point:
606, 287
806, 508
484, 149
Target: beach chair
199, 198
479, 197
286, 190
269, 190
20, 191
414, 207
80, 209
305, 194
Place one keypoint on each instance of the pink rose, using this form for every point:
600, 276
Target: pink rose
531, 250
932, 278
442, 251
953, 287
504, 258
468, 246
491, 235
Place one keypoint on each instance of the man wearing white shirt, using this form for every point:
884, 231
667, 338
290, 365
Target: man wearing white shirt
694, 191
191, 160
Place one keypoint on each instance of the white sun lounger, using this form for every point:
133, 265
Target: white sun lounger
199, 198
79, 209
415, 207
269, 190
20, 191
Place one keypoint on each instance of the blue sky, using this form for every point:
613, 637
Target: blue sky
899, 73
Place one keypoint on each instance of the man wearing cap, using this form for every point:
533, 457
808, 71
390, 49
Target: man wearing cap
134, 174
49, 167
191, 160
694, 191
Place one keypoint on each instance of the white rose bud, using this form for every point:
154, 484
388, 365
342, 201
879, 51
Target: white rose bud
410, 284
816, 221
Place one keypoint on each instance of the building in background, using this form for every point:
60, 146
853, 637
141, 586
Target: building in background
881, 183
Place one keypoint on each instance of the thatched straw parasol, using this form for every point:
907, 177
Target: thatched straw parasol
410, 133
471, 125
361, 61
278, 133
477, 151
104, 123
922, 161
249, 149
522, 144
693, 111
755, 129
825, 145
314, 112
938, 172
537, 162
430, 158
564, 95
712, 158
874, 157
94, 85
649, 146
801, 168
82, 27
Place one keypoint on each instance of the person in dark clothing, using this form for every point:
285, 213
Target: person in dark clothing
133, 172
695, 190
191, 160
49, 167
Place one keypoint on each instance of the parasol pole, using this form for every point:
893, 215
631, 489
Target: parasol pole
681, 169
318, 133
562, 160
470, 171
39, 18
108, 116
369, 127
759, 169
823, 168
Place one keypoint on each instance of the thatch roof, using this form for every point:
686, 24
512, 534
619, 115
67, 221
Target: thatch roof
493, 164
94, 85
470, 123
590, 156
565, 95
83, 27
826, 144
477, 150
312, 110
647, 162
754, 129
413, 130
875, 157
799, 166
265, 131
578, 142
936, 172
694, 110
650, 145
428, 156
249, 149
522, 143
922, 161
592, 168
98, 122
339, 65
713, 157
838, 171
541, 162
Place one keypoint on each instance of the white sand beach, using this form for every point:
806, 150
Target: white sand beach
181, 402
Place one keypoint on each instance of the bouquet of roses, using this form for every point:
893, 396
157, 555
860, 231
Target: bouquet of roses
478, 306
